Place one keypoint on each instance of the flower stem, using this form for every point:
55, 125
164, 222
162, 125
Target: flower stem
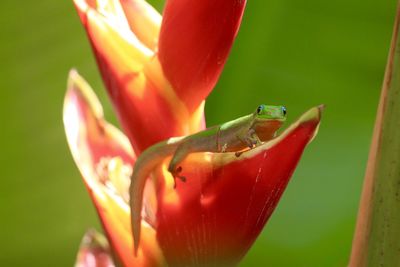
377, 236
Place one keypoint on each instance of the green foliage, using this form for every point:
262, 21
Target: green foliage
294, 53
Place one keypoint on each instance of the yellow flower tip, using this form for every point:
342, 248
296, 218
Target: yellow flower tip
79, 85
73, 77
94, 251
321, 109
312, 114
93, 239
81, 5
72, 72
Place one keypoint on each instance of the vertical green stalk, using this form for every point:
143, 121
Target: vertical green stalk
377, 236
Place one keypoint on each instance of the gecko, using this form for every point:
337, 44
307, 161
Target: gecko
236, 136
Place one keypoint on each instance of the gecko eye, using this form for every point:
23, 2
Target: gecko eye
284, 111
259, 109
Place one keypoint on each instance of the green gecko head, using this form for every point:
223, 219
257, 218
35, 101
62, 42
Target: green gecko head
265, 112
268, 120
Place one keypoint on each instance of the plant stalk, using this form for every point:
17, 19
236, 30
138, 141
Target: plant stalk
377, 236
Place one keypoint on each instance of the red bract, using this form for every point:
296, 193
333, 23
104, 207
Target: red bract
104, 158
214, 218
195, 39
158, 85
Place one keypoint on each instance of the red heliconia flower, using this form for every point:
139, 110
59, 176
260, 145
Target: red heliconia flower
158, 73
212, 219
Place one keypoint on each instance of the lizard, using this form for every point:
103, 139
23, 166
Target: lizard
236, 136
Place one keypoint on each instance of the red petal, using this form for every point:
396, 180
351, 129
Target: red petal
92, 139
94, 251
214, 218
148, 109
195, 39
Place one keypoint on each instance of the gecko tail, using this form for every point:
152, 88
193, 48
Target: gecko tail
136, 233
136, 238
136, 206
135, 201
136, 190
144, 165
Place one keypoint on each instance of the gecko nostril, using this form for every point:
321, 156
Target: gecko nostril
284, 111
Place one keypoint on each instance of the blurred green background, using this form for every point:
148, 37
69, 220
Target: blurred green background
297, 53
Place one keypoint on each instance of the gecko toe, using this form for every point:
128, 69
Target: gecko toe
175, 175
182, 178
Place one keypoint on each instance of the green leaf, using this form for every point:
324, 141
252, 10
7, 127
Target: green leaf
377, 237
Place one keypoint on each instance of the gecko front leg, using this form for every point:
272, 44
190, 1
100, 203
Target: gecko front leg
254, 137
175, 175
175, 170
250, 139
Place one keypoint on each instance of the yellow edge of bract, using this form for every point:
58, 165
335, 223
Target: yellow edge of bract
82, 5
94, 239
149, 11
113, 13
118, 220
155, 73
144, 21
128, 51
197, 118
78, 84
95, 245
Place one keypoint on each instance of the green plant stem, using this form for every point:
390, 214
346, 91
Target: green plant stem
377, 236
